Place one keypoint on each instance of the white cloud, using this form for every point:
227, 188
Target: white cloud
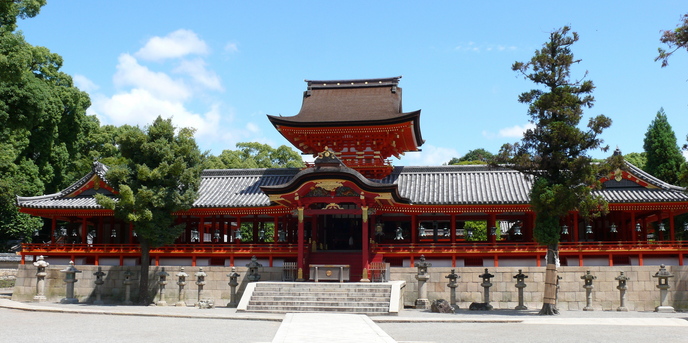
196, 69
131, 73
515, 131
430, 156
84, 84
231, 48
175, 45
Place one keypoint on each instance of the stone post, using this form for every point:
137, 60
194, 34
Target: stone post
663, 276
486, 286
70, 279
422, 302
40, 279
233, 283
200, 282
520, 285
99, 285
181, 282
253, 266
622, 291
127, 287
588, 290
162, 282
453, 277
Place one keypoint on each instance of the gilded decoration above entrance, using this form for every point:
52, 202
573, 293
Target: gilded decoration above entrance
329, 185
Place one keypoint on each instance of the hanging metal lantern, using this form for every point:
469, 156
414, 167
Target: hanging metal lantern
113, 233
237, 234
421, 231
685, 226
661, 227
565, 230
613, 229
281, 235
588, 229
399, 234
638, 228
470, 233
216, 235
194, 235
63, 231
517, 231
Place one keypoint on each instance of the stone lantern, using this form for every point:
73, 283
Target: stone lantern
486, 286
162, 282
181, 282
622, 290
200, 282
663, 276
453, 278
70, 279
253, 266
127, 287
233, 283
422, 277
40, 265
520, 285
99, 285
588, 278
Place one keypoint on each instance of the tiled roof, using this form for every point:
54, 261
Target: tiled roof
440, 185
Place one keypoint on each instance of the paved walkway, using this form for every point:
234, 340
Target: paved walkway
329, 327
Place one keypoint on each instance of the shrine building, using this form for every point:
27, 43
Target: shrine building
353, 206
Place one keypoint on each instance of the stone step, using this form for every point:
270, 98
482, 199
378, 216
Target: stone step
321, 293
286, 303
285, 309
312, 298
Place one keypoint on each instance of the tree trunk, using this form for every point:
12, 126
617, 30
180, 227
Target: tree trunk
549, 305
145, 266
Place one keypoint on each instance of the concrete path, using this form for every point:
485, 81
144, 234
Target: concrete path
331, 328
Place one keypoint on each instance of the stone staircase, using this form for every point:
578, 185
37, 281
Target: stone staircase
351, 297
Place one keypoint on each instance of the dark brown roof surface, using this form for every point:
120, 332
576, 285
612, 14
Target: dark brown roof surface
341, 101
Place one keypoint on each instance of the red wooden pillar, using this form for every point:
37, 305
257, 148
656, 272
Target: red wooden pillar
300, 262
201, 229
255, 229
414, 228
365, 239
84, 230
491, 223
53, 225
452, 227
634, 234
672, 233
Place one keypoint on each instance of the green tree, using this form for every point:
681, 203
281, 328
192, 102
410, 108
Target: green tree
554, 153
664, 158
161, 176
675, 40
255, 155
638, 159
43, 122
475, 156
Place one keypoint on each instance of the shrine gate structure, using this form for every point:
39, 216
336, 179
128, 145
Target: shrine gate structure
352, 206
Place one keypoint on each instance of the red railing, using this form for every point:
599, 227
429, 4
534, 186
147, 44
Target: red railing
187, 249
518, 248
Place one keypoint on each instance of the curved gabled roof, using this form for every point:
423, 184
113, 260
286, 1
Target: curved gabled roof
72, 197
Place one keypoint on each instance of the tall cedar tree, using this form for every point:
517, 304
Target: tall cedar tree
675, 39
161, 176
664, 158
554, 153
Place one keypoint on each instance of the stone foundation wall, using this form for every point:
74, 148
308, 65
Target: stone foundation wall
8, 273
642, 295
113, 291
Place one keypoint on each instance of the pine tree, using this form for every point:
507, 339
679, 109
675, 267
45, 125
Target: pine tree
664, 158
554, 153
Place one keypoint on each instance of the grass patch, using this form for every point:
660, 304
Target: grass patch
7, 283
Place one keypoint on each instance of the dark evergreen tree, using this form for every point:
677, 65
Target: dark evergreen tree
555, 153
664, 158
161, 175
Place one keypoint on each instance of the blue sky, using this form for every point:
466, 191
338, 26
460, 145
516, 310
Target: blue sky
221, 66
